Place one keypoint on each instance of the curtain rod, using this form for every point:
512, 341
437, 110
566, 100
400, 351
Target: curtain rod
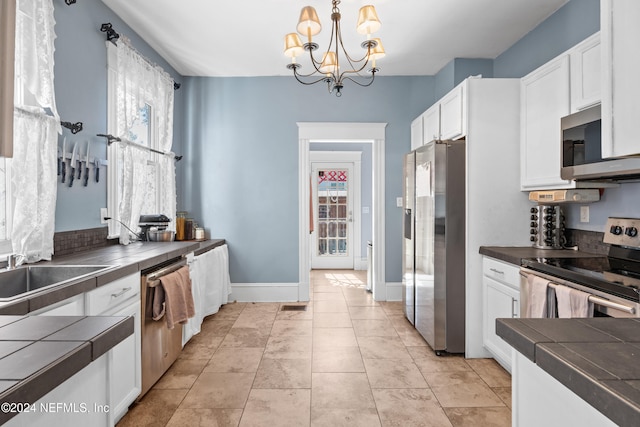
111, 139
113, 36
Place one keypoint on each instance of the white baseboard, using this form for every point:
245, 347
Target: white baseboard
394, 291
264, 292
360, 264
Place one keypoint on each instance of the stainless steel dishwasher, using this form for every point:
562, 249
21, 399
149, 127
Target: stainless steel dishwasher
161, 346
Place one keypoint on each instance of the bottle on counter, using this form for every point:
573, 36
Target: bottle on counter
199, 235
188, 229
180, 225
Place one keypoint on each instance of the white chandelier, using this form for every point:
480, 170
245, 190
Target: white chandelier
332, 69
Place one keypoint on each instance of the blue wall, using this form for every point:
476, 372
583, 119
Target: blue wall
241, 169
571, 24
81, 96
239, 136
366, 183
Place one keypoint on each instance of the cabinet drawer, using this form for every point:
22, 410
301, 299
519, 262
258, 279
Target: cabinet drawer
508, 274
109, 296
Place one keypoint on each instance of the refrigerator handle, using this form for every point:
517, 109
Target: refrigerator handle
407, 224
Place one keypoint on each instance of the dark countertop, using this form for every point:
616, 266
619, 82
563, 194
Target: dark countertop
598, 359
39, 353
515, 254
125, 260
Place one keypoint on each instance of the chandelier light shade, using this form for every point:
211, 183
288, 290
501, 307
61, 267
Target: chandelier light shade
368, 21
336, 65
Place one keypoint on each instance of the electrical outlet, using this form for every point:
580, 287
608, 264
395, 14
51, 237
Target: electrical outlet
103, 214
399, 202
584, 213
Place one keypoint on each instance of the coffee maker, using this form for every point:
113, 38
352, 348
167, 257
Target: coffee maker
152, 222
547, 227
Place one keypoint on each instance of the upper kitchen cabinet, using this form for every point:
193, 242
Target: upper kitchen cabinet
416, 133
453, 114
568, 83
446, 119
620, 89
586, 60
544, 100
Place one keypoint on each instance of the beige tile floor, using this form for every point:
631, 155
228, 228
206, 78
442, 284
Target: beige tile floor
345, 361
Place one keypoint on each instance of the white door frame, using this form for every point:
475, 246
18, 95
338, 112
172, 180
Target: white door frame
342, 132
352, 158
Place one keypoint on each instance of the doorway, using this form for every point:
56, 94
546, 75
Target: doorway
373, 133
336, 199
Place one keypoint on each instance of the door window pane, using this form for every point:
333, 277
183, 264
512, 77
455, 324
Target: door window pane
333, 212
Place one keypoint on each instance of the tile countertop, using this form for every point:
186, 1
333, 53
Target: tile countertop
125, 260
598, 359
515, 254
39, 353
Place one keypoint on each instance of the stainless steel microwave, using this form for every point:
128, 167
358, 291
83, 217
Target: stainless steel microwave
582, 150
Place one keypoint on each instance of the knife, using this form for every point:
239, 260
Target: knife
64, 159
79, 165
96, 163
85, 182
73, 163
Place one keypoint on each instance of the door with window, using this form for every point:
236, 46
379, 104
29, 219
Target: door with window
332, 242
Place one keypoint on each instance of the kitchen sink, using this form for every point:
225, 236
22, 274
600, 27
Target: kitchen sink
27, 280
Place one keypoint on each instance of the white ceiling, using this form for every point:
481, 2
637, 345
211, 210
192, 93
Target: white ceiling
245, 37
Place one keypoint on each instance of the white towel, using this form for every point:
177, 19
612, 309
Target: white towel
537, 304
573, 303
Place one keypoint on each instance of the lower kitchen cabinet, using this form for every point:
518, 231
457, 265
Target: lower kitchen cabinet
501, 289
73, 306
121, 298
82, 400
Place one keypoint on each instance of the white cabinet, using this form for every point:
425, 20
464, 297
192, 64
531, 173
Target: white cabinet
431, 124
446, 119
82, 400
544, 100
620, 89
586, 60
538, 399
568, 83
416, 133
121, 298
125, 365
73, 306
453, 114
501, 286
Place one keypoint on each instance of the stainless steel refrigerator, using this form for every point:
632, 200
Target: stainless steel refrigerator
434, 244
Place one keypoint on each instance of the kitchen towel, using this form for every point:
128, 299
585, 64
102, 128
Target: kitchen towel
573, 303
537, 304
173, 298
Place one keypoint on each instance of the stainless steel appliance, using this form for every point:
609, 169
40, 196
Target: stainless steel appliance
582, 152
434, 244
161, 346
147, 223
613, 281
547, 227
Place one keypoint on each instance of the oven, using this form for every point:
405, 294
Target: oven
612, 281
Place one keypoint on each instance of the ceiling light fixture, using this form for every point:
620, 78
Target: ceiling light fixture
335, 58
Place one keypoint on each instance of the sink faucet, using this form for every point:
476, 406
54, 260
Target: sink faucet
14, 260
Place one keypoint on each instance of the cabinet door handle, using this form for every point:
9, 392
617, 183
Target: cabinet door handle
496, 271
122, 292
514, 306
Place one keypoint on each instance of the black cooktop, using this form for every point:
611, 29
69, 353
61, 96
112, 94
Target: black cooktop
615, 276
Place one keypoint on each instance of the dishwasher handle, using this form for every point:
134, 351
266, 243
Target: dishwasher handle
152, 278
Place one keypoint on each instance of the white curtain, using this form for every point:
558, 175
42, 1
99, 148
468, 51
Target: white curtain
140, 82
35, 132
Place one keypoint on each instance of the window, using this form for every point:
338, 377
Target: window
141, 174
